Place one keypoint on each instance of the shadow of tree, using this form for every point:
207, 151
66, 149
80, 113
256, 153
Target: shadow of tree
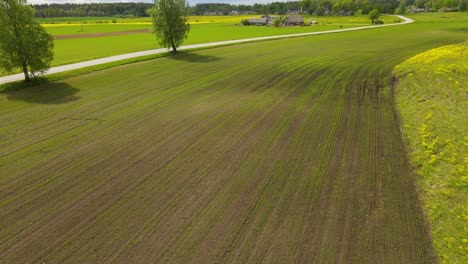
51, 93
194, 57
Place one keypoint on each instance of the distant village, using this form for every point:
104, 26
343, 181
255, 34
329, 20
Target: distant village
234, 13
268, 20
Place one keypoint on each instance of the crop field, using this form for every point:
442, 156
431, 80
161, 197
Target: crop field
432, 97
95, 41
202, 31
279, 151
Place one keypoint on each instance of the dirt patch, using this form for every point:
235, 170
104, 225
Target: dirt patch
102, 34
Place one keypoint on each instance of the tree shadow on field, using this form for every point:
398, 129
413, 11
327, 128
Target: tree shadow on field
194, 57
51, 93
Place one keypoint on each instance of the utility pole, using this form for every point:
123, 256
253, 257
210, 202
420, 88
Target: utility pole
81, 18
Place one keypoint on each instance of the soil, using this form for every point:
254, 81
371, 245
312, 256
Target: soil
102, 34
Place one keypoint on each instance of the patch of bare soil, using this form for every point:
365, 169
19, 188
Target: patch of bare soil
102, 34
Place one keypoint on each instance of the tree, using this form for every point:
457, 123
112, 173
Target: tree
336, 8
82, 13
307, 5
374, 15
170, 22
277, 22
401, 9
462, 5
24, 43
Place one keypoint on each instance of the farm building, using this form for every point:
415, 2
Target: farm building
345, 13
293, 21
271, 19
258, 21
418, 10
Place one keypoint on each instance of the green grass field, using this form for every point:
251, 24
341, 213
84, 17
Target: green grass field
74, 50
73, 29
219, 23
77, 20
57, 21
432, 97
202, 31
280, 151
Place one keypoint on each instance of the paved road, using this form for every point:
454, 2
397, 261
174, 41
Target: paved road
78, 65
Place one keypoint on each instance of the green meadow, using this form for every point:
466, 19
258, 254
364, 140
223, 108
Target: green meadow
74, 50
278, 151
204, 29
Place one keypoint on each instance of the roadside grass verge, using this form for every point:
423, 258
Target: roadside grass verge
432, 99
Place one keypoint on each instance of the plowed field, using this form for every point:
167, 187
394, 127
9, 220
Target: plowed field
280, 151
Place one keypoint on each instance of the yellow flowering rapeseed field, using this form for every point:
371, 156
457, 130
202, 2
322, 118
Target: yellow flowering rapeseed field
432, 98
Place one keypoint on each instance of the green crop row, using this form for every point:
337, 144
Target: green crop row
277, 151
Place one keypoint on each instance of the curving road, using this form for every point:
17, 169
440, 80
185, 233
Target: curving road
84, 64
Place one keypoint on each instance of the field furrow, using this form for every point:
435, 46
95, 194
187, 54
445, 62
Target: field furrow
281, 151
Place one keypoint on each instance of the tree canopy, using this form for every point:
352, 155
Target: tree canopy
170, 22
401, 9
316, 7
24, 43
92, 9
374, 15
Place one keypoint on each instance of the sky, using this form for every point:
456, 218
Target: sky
192, 2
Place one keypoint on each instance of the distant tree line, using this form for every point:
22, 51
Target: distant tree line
224, 9
435, 5
324, 7
93, 10
315, 7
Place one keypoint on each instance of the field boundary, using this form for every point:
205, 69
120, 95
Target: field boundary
84, 64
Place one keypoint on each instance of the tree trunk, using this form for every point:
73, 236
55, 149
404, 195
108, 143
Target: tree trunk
26, 73
174, 49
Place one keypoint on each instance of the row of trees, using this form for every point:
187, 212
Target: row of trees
385, 7
316, 7
323, 7
224, 9
93, 9
435, 5
26, 45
